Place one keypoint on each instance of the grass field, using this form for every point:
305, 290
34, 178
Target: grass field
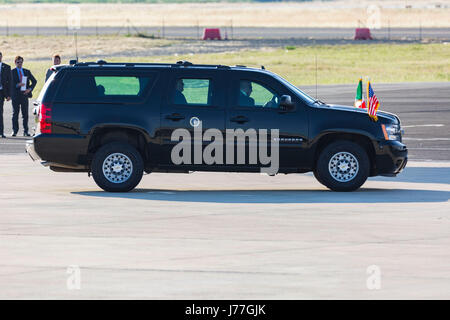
336, 64
340, 64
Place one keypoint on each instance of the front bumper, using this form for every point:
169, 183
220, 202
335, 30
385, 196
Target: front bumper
391, 158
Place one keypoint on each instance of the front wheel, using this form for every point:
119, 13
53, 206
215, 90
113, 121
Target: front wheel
343, 166
117, 167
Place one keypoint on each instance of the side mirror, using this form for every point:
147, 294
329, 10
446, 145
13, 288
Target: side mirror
286, 103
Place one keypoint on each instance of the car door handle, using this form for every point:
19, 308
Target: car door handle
175, 117
240, 119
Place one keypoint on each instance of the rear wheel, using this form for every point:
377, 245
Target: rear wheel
117, 167
316, 175
343, 166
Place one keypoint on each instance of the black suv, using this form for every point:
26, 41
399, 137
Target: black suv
119, 120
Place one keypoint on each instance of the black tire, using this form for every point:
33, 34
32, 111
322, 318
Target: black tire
316, 175
354, 160
126, 159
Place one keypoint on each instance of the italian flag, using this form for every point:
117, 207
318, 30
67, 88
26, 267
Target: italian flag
359, 99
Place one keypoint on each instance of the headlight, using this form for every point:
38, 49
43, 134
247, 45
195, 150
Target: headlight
391, 131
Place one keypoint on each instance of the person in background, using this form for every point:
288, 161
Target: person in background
21, 90
56, 61
5, 89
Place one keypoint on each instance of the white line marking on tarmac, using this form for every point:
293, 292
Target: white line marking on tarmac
424, 125
437, 149
426, 139
161, 192
12, 143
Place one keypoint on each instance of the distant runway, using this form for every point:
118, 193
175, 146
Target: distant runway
230, 32
424, 109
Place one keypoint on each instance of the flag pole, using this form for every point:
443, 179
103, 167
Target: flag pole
362, 87
315, 58
367, 96
362, 90
367, 89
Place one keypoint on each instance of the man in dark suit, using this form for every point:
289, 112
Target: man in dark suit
21, 91
245, 90
5, 89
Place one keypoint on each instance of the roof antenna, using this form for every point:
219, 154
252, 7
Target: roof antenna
315, 58
76, 44
262, 67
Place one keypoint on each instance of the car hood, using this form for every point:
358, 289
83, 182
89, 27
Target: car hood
383, 114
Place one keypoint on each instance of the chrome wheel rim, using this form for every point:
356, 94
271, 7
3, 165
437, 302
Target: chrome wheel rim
343, 166
117, 168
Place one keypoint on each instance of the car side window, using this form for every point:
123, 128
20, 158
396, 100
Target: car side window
99, 88
254, 94
122, 86
189, 91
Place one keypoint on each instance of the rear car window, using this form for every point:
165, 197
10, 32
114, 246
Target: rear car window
128, 86
105, 88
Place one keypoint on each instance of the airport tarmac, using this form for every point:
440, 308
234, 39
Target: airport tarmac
223, 236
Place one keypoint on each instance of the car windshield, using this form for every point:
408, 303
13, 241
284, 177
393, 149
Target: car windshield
299, 92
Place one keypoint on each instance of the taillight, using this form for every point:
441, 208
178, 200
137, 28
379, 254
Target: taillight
45, 118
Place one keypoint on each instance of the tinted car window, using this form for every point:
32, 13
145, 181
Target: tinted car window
192, 91
253, 94
127, 86
99, 88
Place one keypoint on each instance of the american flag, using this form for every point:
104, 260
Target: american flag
373, 103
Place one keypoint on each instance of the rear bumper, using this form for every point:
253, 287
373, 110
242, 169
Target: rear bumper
55, 166
391, 158
58, 148
31, 151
